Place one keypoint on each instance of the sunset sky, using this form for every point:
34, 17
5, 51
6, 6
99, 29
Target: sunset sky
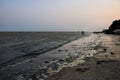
57, 15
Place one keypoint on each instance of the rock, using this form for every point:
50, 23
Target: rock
76, 52
105, 50
68, 60
104, 61
114, 28
61, 60
98, 62
46, 62
66, 50
112, 53
117, 31
59, 50
82, 69
79, 52
53, 59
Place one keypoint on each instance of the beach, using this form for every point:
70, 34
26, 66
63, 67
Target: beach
25, 53
59, 39
103, 65
94, 57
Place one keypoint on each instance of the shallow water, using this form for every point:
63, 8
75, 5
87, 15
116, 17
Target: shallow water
21, 53
15, 45
44, 65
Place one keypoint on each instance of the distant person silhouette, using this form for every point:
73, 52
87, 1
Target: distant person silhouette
82, 32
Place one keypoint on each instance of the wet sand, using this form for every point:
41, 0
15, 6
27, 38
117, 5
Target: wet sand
95, 57
103, 65
51, 62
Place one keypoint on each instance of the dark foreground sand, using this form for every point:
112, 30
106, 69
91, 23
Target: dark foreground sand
104, 65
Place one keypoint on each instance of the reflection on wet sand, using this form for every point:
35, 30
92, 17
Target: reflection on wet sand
104, 65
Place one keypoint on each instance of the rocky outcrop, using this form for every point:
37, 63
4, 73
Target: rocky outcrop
114, 28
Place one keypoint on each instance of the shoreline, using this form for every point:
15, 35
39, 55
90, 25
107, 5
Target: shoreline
49, 63
68, 55
36, 65
33, 53
104, 65
79, 57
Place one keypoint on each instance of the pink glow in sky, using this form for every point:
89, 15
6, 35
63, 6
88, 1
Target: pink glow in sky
58, 15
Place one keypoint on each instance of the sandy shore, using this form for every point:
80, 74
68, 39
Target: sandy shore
49, 63
95, 57
103, 65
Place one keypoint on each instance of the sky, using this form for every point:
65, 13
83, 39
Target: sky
58, 15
